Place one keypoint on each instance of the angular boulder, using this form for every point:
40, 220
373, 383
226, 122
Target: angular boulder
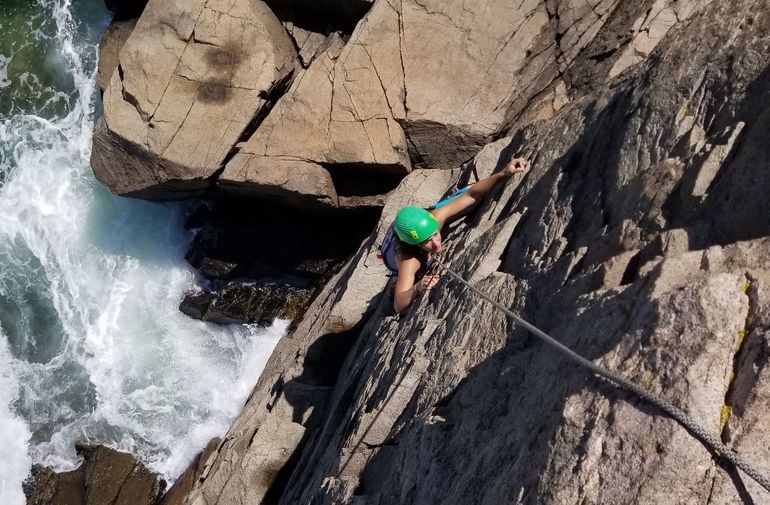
429, 83
311, 132
190, 79
423, 84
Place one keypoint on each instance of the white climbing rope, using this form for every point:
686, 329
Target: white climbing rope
680, 416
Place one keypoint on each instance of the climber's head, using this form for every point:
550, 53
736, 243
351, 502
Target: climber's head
417, 226
433, 244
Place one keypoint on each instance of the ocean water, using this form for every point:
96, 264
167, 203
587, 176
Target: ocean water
92, 345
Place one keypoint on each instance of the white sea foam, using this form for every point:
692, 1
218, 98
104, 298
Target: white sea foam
14, 434
100, 351
4, 61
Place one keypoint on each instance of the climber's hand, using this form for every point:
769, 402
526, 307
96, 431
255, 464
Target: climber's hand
516, 166
427, 282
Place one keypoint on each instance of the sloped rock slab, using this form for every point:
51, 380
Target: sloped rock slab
109, 49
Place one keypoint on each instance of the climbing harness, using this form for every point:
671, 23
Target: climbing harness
387, 251
679, 415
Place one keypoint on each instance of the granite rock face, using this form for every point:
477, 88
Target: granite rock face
639, 238
309, 129
332, 103
301, 372
109, 50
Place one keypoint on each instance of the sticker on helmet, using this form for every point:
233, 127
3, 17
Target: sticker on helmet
414, 234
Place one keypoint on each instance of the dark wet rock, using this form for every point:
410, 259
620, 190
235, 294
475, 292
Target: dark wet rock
126, 9
268, 239
196, 305
256, 303
213, 268
247, 302
267, 260
106, 477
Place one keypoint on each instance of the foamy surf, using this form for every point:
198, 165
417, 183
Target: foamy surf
93, 347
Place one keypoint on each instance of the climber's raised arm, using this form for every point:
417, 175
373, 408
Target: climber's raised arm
478, 190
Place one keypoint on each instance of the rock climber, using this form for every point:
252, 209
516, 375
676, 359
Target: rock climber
418, 235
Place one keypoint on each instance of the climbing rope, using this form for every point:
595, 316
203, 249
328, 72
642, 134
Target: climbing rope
680, 416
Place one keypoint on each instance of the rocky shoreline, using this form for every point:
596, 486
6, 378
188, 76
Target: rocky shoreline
639, 238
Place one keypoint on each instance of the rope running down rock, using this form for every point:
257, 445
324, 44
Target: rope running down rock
680, 416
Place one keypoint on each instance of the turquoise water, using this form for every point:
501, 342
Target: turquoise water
92, 345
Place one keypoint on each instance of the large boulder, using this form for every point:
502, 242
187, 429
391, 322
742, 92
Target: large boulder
472, 72
315, 128
639, 238
191, 78
436, 81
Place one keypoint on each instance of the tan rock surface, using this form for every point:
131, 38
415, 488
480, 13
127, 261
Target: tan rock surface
452, 77
109, 49
309, 130
191, 77
408, 72
425, 83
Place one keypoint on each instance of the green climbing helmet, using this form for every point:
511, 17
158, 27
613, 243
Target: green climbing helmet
414, 225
